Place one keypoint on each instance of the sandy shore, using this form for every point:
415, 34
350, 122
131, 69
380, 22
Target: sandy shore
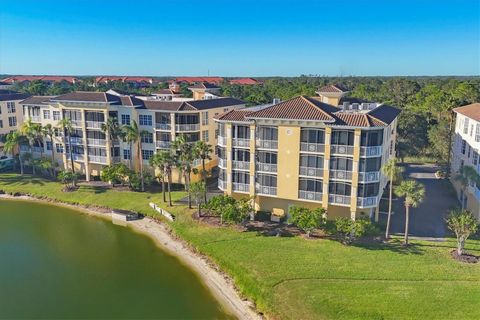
219, 284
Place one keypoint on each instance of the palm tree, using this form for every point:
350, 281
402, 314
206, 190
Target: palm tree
112, 129
165, 161
393, 172
67, 127
32, 132
133, 135
466, 175
414, 193
158, 161
12, 143
203, 150
49, 132
185, 154
198, 190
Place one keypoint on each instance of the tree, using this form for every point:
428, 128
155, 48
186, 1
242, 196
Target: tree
463, 223
393, 172
67, 128
198, 190
185, 154
306, 219
133, 135
69, 179
159, 161
12, 143
203, 150
49, 132
32, 131
466, 175
112, 129
414, 194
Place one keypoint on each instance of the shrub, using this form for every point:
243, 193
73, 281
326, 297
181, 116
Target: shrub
349, 230
217, 203
307, 220
116, 173
136, 182
463, 224
228, 209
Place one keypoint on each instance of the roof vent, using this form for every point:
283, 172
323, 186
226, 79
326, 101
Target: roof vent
276, 100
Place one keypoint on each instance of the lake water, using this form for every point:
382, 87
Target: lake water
57, 263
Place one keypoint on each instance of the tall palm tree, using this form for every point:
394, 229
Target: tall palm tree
31, 131
49, 132
112, 129
203, 150
165, 160
393, 172
414, 194
158, 161
185, 155
133, 135
466, 175
12, 143
67, 127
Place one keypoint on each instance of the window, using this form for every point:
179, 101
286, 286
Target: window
371, 138
145, 120
241, 132
267, 133
49, 145
12, 121
205, 118
342, 138
475, 158
477, 132
267, 180
311, 161
46, 114
338, 163
125, 119
1, 124
240, 177
465, 126
469, 151
311, 185
313, 136
147, 137
11, 107
241, 155
126, 154
205, 135
340, 188
56, 115
147, 154
267, 157
57, 132
464, 146
59, 147
216, 133
370, 164
368, 190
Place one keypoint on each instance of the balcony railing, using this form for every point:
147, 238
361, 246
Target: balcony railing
162, 144
243, 165
267, 190
367, 202
187, 127
372, 176
222, 141
76, 156
344, 150
222, 185
341, 174
36, 118
241, 187
311, 172
76, 123
96, 142
241, 142
163, 126
267, 144
339, 199
375, 151
310, 195
97, 159
266, 167
312, 147
94, 124
76, 140
222, 163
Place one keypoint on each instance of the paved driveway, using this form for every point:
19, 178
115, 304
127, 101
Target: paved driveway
428, 220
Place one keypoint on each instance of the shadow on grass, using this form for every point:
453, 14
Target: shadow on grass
394, 246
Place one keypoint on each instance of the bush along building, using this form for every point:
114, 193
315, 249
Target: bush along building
308, 151
93, 148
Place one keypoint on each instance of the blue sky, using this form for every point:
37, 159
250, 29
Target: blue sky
240, 38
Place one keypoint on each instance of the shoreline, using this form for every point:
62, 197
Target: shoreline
220, 285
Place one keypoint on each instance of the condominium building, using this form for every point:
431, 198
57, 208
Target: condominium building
305, 152
11, 116
92, 148
465, 150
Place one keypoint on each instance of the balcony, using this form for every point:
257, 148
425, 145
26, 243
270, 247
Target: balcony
222, 163
241, 142
311, 172
241, 187
339, 199
163, 126
96, 142
267, 144
76, 123
38, 149
242, 165
36, 118
372, 176
76, 140
187, 127
367, 152
309, 195
97, 159
266, 167
163, 144
266, 190
341, 174
222, 185
222, 141
76, 156
94, 124
342, 150
116, 159
312, 147
367, 202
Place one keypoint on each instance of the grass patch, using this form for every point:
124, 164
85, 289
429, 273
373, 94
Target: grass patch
295, 278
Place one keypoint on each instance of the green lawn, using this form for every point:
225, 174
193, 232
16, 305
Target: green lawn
295, 278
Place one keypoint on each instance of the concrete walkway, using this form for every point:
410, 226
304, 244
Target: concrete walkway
428, 220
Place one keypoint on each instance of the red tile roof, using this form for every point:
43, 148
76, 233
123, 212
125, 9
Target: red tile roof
124, 79
192, 105
204, 85
245, 81
234, 115
333, 88
37, 100
14, 79
191, 80
472, 111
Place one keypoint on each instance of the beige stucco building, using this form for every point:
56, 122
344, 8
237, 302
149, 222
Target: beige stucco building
11, 115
